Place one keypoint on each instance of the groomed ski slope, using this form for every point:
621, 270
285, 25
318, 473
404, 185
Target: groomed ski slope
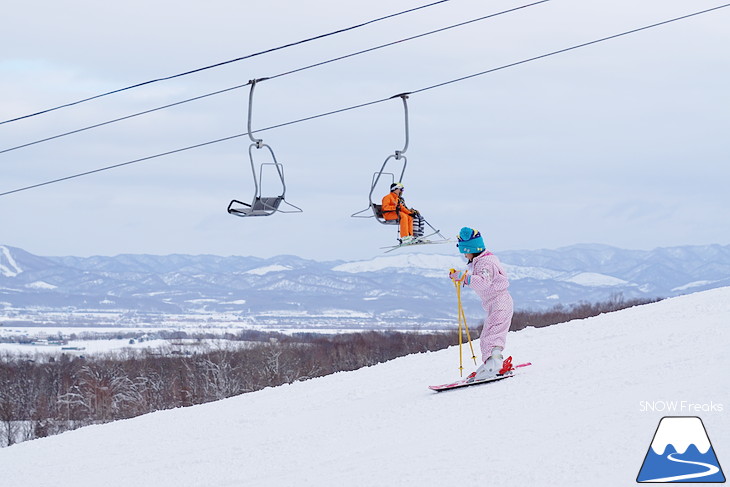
574, 418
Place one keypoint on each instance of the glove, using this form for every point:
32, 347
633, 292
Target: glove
459, 276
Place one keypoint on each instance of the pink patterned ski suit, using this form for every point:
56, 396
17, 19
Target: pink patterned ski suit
489, 281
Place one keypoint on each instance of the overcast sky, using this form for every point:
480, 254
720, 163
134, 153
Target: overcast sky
621, 143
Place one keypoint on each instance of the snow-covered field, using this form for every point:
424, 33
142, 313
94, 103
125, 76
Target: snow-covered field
116, 346
583, 414
102, 340
82, 347
43, 340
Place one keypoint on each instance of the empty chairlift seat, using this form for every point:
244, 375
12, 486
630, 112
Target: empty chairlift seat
261, 205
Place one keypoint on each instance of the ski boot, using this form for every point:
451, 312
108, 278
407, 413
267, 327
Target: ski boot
407, 240
490, 368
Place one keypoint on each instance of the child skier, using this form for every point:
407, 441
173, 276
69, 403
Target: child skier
487, 278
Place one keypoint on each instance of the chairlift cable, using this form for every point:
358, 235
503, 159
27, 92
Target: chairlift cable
406, 39
578, 46
127, 117
216, 65
286, 73
362, 105
122, 164
190, 147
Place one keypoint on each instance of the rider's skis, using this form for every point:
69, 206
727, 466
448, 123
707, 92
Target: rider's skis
508, 370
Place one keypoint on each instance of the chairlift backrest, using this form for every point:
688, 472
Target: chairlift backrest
278, 166
375, 207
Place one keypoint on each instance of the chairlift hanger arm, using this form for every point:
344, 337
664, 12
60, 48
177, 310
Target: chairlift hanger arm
259, 143
399, 154
253, 82
403, 97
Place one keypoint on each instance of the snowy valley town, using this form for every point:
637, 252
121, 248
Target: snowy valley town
364, 244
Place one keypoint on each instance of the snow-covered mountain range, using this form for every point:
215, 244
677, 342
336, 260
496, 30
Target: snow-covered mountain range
405, 290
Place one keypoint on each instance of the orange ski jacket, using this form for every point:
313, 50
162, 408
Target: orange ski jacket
394, 209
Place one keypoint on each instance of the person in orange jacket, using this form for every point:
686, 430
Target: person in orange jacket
394, 208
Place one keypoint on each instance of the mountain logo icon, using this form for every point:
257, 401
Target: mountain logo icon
680, 452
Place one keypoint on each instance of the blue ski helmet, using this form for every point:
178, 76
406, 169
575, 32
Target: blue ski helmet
470, 241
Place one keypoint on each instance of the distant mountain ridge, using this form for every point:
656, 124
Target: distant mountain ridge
404, 290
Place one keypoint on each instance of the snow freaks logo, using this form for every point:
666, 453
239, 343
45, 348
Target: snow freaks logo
681, 452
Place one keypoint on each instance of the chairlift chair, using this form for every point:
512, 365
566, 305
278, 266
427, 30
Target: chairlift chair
261, 205
375, 207
419, 222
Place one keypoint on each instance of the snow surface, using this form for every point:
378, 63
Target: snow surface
693, 284
404, 263
260, 271
435, 265
40, 285
12, 269
88, 347
515, 272
575, 417
594, 279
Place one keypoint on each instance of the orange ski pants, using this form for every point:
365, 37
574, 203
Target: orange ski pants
406, 221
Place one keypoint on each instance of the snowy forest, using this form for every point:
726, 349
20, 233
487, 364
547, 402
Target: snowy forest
46, 395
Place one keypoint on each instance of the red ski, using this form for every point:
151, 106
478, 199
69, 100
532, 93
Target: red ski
506, 372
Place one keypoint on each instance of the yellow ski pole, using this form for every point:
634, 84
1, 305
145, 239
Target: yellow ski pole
461, 360
462, 318
458, 314
466, 327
